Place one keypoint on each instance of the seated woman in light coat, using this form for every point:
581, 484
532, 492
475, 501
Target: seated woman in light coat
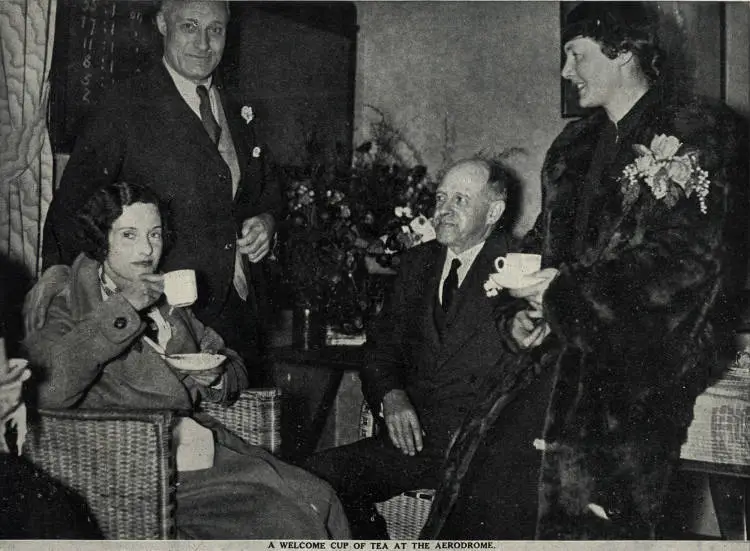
93, 352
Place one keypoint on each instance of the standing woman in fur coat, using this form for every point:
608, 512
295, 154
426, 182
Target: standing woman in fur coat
641, 248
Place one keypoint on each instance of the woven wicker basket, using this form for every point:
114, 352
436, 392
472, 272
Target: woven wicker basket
255, 417
406, 513
720, 431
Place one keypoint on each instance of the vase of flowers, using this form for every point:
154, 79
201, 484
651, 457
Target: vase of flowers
318, 250
347, 221
308, 326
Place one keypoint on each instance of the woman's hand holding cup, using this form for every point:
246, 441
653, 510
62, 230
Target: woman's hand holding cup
144, 291
528, 328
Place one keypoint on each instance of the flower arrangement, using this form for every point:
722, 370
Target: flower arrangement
346, 224
667, 175
324, 243
398, 202
316, 237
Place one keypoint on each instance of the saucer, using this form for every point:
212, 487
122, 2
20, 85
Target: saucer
195, 362
514, 281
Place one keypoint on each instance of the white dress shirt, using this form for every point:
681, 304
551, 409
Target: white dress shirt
466, 258
187, 89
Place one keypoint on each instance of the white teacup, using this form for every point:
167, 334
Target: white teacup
180, 287
517, 265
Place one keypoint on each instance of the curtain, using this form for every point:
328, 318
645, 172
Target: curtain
26, 162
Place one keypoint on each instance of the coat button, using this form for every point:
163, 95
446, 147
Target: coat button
120, 323
229, 246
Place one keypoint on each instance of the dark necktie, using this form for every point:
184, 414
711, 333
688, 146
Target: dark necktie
207, 115
450, 285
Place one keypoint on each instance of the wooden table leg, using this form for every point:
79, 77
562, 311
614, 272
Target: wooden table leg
308, 396
729, 495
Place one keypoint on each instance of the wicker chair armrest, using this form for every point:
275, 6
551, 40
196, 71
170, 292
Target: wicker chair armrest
120, 461
255, 417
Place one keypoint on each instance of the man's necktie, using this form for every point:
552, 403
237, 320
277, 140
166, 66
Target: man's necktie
450, 285
207, 115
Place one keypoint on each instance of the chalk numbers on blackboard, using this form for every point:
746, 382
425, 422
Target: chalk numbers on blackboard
98, 53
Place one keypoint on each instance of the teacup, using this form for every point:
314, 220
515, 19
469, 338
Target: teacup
517, 265
180, 287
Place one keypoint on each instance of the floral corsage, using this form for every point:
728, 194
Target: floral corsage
666, 174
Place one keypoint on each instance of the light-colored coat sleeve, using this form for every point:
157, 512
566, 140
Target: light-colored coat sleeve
70, 353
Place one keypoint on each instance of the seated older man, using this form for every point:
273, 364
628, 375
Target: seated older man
437, 347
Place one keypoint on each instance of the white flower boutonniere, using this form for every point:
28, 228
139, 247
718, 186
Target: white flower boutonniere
247, 113
491, 288
665, 173
256, 151
403, 212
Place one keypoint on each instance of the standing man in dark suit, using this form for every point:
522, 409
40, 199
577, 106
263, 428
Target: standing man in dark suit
174, 128
433, 350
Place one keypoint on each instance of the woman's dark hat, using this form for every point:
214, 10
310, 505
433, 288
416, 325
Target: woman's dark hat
611, 22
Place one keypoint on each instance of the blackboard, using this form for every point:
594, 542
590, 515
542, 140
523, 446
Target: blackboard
97, 44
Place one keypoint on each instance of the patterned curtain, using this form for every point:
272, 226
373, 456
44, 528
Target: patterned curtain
26, 172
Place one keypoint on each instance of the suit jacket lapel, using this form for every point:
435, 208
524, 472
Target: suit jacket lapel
471, 307
174, 111
432, 272
241, 132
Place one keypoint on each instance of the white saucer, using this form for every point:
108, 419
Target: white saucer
509, 281
195, 362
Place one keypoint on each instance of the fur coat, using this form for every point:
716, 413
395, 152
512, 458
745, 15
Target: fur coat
640, 296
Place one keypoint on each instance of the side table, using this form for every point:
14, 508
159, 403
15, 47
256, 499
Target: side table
718, 444
309, 381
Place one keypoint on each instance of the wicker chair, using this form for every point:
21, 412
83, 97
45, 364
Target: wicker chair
123, 462
406, 513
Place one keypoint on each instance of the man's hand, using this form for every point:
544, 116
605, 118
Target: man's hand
535, 293
528, 328
144, 292
402, 422
52, 282
255, 240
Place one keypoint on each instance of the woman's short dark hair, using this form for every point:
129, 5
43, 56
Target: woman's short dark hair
619, 27
105, 206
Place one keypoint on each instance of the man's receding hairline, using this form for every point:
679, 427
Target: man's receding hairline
483, 165
476, 163
167, 7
